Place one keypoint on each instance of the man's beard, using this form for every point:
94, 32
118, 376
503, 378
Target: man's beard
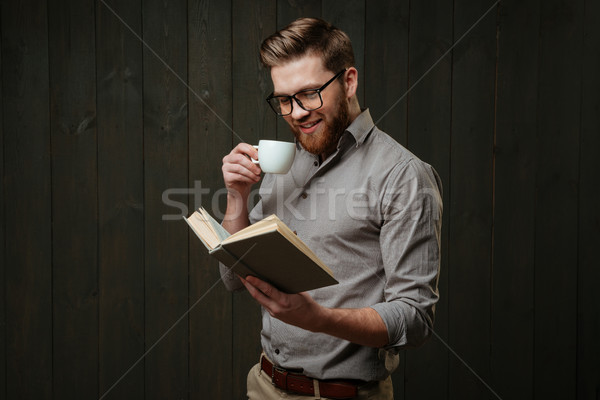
326, 141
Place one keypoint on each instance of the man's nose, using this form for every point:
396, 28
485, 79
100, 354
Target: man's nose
299, 112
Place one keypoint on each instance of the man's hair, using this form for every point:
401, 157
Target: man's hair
307, 36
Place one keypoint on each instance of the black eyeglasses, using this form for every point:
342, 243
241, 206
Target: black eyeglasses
308, 99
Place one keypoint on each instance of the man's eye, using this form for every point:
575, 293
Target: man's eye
307, 96
284, 100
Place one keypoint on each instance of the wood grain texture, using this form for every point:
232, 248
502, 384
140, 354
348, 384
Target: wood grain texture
588, 310
74, 198
471, 198
210, 137
120, 200
556, 223
2, 248
27, 201
514, 201
165, 167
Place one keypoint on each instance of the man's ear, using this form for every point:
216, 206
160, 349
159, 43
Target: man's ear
351, 82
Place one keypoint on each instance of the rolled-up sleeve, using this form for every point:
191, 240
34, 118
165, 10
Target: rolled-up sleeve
410, 246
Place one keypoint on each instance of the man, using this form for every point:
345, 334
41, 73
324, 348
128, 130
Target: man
364, 204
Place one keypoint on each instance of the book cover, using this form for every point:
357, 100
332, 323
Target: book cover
267, 249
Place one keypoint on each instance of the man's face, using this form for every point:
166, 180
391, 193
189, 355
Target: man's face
317, 131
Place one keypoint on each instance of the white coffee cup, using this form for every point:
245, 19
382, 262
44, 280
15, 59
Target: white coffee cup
275, 157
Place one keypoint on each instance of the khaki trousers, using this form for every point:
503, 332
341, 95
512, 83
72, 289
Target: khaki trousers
261, 388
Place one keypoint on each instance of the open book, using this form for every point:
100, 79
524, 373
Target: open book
267, 249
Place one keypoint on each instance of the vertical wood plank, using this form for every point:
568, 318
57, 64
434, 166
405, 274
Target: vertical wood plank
252, 120
74, 198
210, 119
429, 124
120, 199
2, 245
165, 167
588, 310
27, 199
555, 284
471, 190
514, 200
386, 65
349, 16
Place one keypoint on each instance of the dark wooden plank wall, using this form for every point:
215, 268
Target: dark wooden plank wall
514, 200
74, 197
471, 186
558, 132
588, 273
166, 272
2, 251
27, 194
115, 117
120, 199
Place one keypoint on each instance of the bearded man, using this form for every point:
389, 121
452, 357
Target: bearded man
368, 208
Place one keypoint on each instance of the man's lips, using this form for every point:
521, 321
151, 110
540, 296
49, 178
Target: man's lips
309, 127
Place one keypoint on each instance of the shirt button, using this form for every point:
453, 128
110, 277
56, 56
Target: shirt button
304, 195
276, 351
316, 163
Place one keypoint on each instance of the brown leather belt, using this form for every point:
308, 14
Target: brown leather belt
302, 384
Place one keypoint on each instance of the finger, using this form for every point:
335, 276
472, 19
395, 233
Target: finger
267, 289
244, 160
234, 160
250, 154
233, 173
247, 149
242, 150
257, 294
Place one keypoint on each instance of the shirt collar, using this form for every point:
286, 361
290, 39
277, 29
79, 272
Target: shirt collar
361, 127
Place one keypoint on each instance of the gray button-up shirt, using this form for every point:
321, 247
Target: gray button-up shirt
372, 212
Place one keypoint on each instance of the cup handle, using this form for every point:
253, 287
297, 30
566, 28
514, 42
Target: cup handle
252, 159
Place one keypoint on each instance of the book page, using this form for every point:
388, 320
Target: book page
252, 230
203, 230
217, 228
